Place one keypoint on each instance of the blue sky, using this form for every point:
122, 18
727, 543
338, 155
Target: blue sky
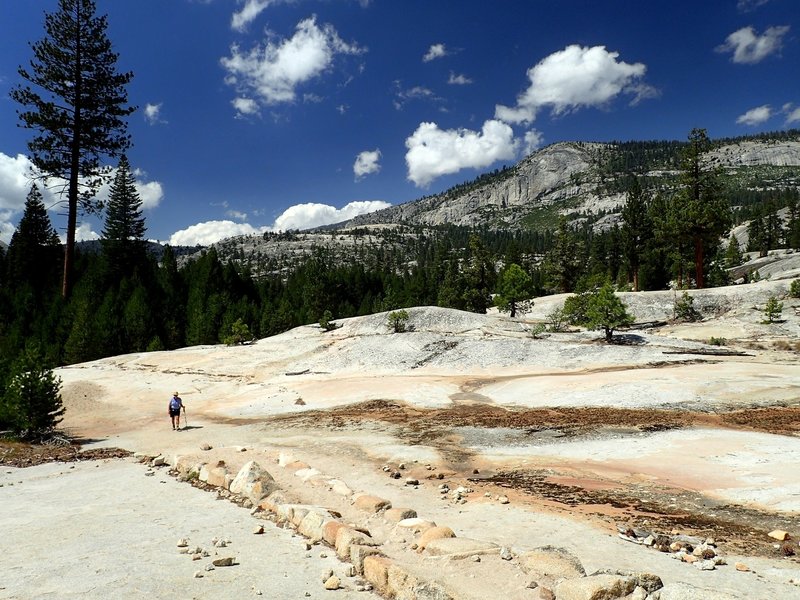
259, 115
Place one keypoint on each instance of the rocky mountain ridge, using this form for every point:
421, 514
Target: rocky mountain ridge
570, 178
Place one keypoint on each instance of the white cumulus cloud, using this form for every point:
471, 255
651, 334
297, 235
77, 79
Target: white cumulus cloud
207, 233
755, 116
458, 79
792, 115
433, 152
249, 12
749, 48
573, 78
152, 113
434, 52
299, 216
6, 228
245, 106
367, 162
15, 182
305, 216
271, 73
533, 140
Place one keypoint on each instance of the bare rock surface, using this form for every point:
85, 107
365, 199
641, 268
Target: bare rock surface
660, 433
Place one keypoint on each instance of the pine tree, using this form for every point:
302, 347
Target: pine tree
606, 311
563, 262
637, 229
123, 233
80, 116
703, 212
32, 401
514, 289
34, 246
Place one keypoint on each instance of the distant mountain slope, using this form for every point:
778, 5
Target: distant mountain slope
584, 178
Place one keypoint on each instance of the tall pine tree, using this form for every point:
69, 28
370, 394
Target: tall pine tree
78, 114
123, 234
703, 211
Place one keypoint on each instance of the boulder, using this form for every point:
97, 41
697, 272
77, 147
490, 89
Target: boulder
340, 487
551, 563
460, 548
434, 533
218, 477
376, 571
253, 482
395, 515
595, 587
358, 552
346, 537
312, 524
372, 504
273, 501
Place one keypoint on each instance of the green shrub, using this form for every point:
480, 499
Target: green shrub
537, 330
794, 289
326, 322
557, 319
398, 321
684, 308
239, 334
715, 341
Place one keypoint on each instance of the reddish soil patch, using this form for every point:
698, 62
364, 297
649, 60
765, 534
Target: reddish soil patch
20, 454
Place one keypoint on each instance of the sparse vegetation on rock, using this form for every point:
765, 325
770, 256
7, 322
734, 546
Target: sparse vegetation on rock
772, 310
398, 321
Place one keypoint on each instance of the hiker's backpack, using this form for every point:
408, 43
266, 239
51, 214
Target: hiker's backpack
175, 404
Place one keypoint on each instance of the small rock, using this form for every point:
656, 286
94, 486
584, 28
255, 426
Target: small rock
440, 476
327, 574
546, 594
220, 544
505, 553
209, 567
741, 567
183, 550
227, 561
401, 466
689, 558
475, 471
351, 571
183, 543
705, 565
475, 558
333, 583
258, 530
779, 534
198, 574
412, 481
197, 556
649, 541
206, 447
386, 468
503, 499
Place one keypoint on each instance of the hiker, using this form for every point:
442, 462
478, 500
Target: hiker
174, 409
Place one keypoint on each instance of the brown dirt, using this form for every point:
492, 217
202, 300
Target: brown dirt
21, 454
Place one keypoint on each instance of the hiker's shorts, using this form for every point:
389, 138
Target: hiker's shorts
174, 413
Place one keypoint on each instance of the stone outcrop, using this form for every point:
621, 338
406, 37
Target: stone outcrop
253, 482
